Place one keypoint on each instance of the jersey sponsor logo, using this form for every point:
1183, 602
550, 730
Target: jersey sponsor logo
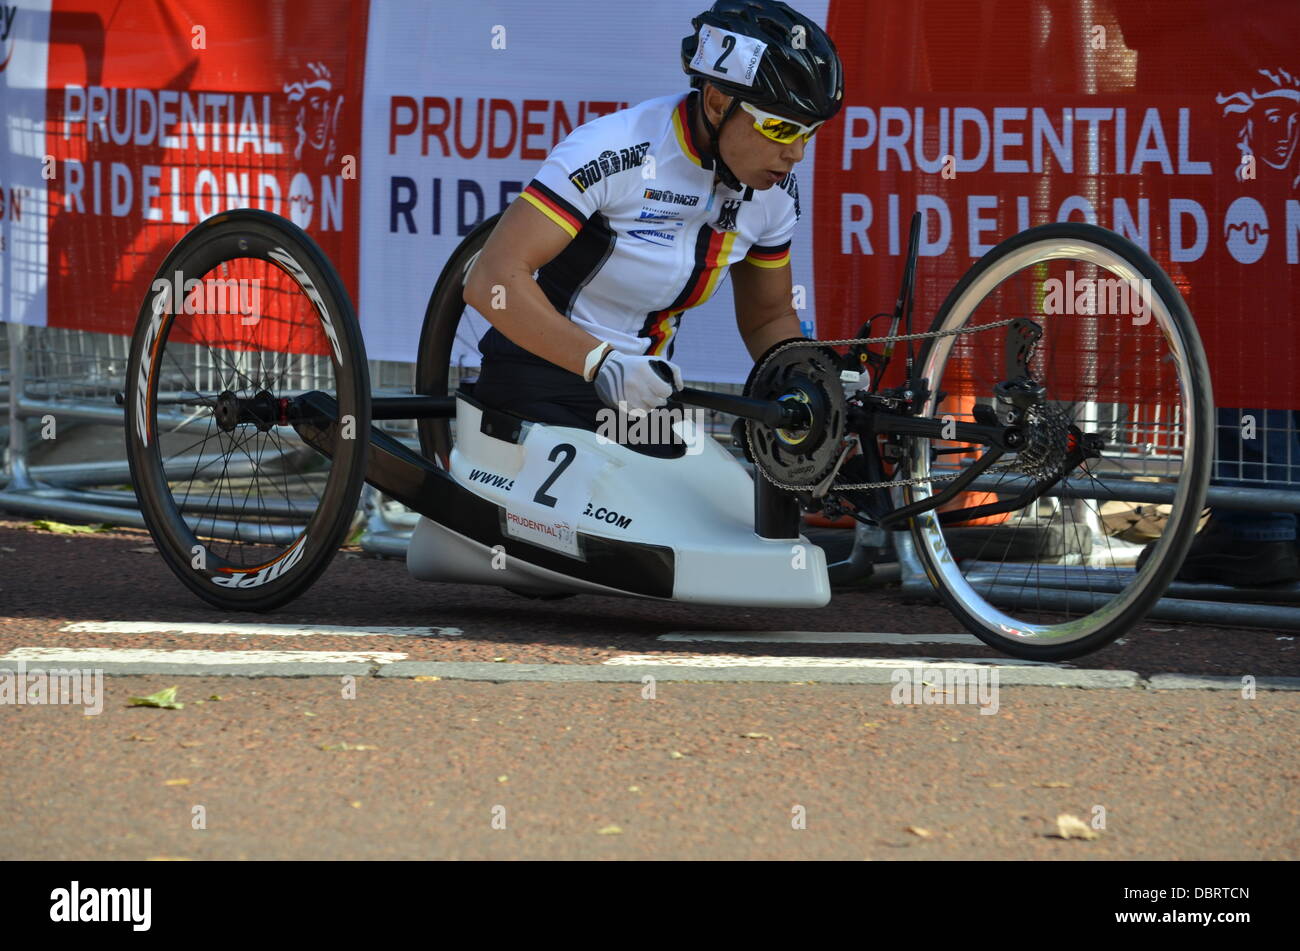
661, 238
658, 214
727, 215
492, 479
671, 197
608, 163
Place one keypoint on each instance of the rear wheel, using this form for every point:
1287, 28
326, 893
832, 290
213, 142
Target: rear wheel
449, 338
244, 512
1055, 579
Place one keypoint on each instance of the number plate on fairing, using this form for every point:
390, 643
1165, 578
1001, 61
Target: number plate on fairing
551, 490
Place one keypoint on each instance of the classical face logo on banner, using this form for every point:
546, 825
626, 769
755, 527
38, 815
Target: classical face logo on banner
318, 111
1272, 128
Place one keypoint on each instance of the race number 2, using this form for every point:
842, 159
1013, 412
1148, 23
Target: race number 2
554, 484
564, 452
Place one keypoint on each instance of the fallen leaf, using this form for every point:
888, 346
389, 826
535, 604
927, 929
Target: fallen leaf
190, 744
176, 782
141, 739
917, 830
163, 698
995, 785
757, 736
609, 830
355, 804
308, 713
62, 528
216, 696
633, 788
498, 660
1072, 827
347, 747
1053, 785
675, 755
871, 724
426, 678
502, 779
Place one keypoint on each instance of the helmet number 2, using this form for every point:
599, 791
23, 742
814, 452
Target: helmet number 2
728, 44
569, 453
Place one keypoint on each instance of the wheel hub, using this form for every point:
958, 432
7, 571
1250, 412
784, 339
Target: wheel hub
263, 410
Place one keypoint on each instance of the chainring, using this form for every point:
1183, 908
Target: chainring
810, 375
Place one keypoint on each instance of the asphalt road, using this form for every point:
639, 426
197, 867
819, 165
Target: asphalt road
291, 767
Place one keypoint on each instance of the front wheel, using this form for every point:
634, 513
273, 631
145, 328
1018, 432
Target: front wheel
1118, 366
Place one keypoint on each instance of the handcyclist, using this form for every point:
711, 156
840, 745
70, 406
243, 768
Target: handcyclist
639, 215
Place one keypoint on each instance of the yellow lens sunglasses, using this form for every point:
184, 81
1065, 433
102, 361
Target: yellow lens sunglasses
778, 128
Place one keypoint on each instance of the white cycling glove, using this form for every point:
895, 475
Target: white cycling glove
633, 381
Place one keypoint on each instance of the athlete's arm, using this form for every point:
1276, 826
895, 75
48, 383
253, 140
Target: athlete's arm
523, 241
765, 311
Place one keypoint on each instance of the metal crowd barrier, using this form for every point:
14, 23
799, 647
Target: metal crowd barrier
73, 376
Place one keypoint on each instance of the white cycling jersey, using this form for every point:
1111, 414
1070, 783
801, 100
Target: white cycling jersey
651, 239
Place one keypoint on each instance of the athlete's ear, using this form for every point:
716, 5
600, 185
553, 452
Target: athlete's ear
715, 103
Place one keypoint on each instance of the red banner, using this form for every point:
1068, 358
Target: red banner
161, 116
1174, 123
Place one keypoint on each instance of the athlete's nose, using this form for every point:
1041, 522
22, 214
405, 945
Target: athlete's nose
793, 152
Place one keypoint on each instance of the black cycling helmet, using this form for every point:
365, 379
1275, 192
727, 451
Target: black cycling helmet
799, 74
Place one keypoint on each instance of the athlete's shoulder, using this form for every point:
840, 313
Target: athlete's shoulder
617, 142
614, 128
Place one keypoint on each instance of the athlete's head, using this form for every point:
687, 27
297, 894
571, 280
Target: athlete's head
775, 71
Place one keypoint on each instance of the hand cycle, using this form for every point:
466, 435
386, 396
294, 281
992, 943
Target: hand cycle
1062, 375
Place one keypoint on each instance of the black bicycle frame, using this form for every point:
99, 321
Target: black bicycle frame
776, 511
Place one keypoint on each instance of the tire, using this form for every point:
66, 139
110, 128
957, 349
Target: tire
447, 321
1040, 587
204, 370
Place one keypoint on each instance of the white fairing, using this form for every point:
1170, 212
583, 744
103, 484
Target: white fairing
700, 505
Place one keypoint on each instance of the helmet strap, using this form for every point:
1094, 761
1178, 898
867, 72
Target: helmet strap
724, 173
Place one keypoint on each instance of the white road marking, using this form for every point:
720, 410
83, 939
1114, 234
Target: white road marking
707, 660
111, 655
255, 630
820, 637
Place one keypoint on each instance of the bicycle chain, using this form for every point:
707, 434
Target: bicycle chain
861, 486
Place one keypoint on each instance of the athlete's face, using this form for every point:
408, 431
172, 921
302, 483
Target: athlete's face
754, 158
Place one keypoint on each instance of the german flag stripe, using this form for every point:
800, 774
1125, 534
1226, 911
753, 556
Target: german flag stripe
554, 207
682, 129
768, 260
768, 251
712, 255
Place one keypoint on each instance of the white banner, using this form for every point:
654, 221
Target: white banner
460, 112
24, 42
